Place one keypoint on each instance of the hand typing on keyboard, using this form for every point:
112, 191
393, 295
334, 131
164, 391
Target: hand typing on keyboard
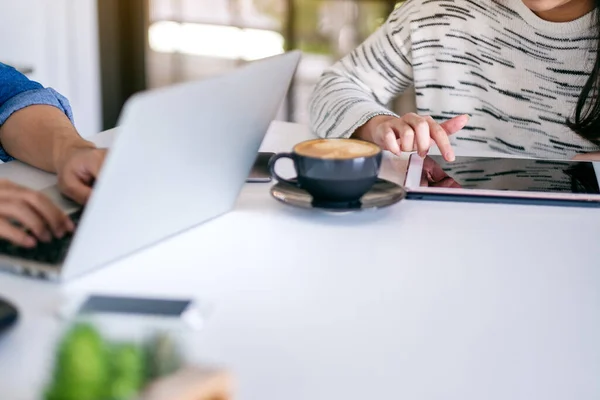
28, 217
78, 170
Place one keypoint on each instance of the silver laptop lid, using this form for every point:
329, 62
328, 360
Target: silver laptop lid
180, 158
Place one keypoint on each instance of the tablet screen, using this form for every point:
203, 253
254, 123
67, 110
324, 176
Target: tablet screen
510, 174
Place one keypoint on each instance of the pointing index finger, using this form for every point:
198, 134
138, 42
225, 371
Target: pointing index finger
455, 124
440, 137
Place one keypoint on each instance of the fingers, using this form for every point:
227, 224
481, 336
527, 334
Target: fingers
587, 157
53, 216
455, 124
15, 235
440, 137
78, 175
413, 132
33, 209
29, 219
417, 136
385, 138
579, 157
75, 188
23, 210
404, 134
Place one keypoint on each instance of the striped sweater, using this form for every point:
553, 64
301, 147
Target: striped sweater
518, 76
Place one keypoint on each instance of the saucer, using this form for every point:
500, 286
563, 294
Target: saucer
383, 194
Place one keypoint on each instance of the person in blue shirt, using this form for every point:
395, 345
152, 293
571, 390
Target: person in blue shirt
36, 127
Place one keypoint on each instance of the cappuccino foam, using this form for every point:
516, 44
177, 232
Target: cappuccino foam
339, 149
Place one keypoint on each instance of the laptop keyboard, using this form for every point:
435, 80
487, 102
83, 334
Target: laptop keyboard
53, 252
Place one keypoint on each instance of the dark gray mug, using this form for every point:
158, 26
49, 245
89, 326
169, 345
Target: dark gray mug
333, 170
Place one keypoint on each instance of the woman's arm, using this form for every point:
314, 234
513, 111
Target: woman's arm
358, 87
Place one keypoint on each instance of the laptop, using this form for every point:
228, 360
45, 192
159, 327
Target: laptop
180, 158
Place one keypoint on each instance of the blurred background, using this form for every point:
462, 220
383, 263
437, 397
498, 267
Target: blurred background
100, 52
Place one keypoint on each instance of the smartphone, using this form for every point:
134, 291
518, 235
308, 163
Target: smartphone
139, 311
133, 305
260, 170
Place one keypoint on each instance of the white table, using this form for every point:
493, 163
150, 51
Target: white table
419, 301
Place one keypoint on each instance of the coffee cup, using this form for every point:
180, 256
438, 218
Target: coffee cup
333, 171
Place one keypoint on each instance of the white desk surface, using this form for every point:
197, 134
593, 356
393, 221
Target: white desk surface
422, 301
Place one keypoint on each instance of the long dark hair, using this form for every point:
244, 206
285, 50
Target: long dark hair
586, 121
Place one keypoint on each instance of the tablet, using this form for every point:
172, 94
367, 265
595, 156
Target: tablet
504, 180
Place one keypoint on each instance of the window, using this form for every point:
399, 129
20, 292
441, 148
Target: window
191, 39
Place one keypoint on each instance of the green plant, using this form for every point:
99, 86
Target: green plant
81, 371
127, 372
89, 368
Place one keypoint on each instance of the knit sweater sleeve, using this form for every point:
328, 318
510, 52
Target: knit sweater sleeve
360, 85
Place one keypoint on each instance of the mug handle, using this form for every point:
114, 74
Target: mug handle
272, 163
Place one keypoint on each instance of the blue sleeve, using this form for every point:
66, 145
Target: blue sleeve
17, 92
